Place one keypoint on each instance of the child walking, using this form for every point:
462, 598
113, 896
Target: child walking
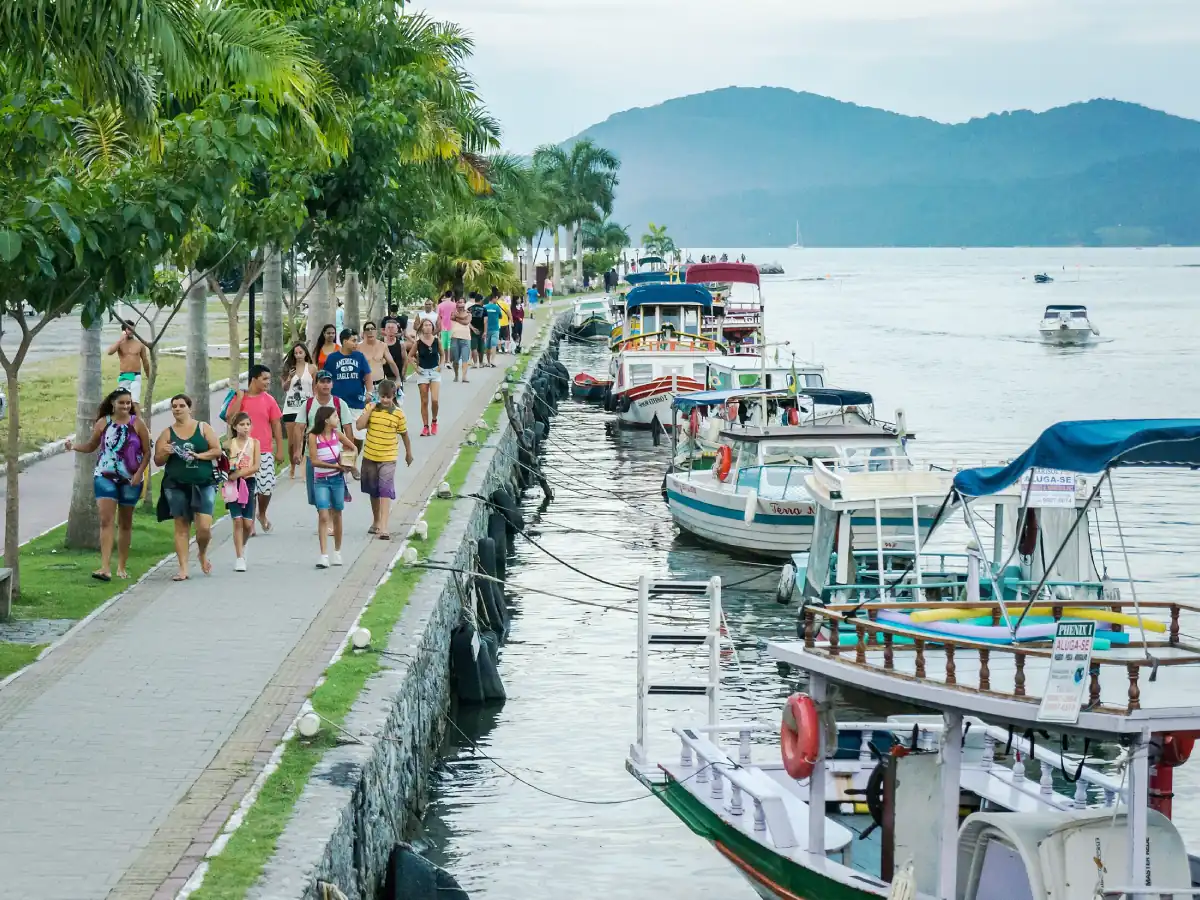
386, 427
238, 490
325, 445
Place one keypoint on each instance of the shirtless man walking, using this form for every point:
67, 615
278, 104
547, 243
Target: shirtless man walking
376, 352
134, 358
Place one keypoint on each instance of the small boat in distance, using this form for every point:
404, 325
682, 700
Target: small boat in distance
1067, 324
1043, 278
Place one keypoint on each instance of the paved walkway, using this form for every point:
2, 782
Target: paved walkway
124, 750
46, 486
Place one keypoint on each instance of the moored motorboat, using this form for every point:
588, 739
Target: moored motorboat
661, 352
1067, 324
589, 388
591, 320
755, 498
1039, 772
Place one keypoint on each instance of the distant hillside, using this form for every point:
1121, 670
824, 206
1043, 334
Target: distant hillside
740, 166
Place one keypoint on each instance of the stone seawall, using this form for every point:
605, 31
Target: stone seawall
359, 798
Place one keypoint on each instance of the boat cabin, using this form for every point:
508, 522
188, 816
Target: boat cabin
662, 316
737, 316
742, 372
1074, 313
651, 270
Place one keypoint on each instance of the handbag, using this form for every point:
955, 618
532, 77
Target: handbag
225, 405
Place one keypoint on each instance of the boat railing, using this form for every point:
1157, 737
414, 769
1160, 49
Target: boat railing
875, 636
1110, 788
713, 766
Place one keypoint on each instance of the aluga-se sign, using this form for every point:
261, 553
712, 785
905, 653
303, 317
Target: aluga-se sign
1068, 675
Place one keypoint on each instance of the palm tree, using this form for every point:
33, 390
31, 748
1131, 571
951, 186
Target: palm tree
606, 235
587, 176
83, 519
464, 253
657, 241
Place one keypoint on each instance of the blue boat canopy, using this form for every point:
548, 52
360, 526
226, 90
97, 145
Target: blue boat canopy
822, 396
659, 294
1089, 447
647, 277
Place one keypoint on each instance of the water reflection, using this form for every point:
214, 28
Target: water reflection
949, 336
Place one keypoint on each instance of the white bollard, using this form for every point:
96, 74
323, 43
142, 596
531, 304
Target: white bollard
421, 529
444, 491
309, 725
410, 556
361, 639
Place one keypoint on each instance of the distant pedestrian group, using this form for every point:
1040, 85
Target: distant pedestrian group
341, 419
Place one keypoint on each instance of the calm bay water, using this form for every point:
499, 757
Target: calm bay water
951, 337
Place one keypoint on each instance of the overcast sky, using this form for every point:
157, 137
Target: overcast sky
550, 68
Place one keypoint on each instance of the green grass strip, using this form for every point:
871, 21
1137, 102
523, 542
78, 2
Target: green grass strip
232, 873
57, 583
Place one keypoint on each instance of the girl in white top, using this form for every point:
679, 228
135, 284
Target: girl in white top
298, 374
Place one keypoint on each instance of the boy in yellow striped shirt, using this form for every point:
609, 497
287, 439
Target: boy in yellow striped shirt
386, 426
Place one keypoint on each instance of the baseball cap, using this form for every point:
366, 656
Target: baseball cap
324, 375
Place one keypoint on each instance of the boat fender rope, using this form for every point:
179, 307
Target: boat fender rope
1062, 764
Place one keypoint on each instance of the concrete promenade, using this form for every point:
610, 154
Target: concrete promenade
125, 749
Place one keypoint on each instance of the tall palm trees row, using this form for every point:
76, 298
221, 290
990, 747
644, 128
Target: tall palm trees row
161, 151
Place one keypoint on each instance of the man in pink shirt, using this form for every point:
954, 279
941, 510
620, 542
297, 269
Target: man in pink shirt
265, 427
445, 314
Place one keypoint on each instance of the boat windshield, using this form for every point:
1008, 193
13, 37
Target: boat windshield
887, 458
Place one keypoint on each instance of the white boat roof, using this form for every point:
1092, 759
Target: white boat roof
746, 362
823, 434
1161, 700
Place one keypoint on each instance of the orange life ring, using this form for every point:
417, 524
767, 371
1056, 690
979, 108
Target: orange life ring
793, 416
694, 421
1176, 748
724, 461
799, 736
731, 412
1027, 542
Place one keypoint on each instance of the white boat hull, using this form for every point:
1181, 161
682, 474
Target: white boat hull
637, 407
1067, 337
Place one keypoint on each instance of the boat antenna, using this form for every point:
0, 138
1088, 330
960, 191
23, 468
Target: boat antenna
1132, 584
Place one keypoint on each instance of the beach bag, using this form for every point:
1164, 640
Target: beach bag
229, 491
225, 406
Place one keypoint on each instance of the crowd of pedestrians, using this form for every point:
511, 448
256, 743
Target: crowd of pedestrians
341, 420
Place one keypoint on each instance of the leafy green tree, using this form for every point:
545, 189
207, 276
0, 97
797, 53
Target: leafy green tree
606, 235
464, 253
585, 177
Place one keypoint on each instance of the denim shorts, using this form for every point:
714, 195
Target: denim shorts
330, 493
460, 350
243, 510
493, 340
188, 500
124, 493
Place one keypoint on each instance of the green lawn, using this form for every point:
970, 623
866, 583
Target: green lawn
57, 583
49, 390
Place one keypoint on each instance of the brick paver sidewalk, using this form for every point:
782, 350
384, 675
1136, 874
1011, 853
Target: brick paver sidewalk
124, 749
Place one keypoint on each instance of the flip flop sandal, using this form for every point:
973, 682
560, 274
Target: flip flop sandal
100, 576
384, 536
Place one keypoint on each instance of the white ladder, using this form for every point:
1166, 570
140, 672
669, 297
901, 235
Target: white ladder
652, 588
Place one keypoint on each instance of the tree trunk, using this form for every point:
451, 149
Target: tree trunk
530, 264
272, 330
579, 252
12, 499
375, 310
196, 382
319, 314
351, 318
148, 418
557, 262
83, 520
568, 250
235, 343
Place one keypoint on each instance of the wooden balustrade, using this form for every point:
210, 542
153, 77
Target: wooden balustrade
1135, 692
919, 643
985, 674
1019, 675
951, 672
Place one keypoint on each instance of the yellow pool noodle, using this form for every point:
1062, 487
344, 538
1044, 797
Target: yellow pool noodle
1070, 612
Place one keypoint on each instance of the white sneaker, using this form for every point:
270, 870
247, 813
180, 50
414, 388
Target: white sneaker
322, 562
240, 565
337, 557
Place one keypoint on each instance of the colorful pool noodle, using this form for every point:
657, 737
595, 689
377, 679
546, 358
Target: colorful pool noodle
952, 613
1039, 632
846, 639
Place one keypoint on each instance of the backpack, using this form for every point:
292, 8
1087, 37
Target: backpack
337, 404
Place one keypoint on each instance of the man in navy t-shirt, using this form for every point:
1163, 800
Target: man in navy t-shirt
352, 381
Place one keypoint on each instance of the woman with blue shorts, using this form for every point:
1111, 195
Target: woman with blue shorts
122, 439
325, 445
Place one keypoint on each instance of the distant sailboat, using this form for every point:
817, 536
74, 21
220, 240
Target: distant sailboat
799, 245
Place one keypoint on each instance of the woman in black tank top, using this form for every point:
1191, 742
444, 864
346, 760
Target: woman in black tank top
426, 357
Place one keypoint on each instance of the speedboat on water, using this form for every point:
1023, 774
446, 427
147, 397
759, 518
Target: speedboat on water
1042, 278
1040, 769
1066, 324
755, 496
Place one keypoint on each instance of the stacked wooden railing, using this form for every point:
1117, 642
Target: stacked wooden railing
875, 635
